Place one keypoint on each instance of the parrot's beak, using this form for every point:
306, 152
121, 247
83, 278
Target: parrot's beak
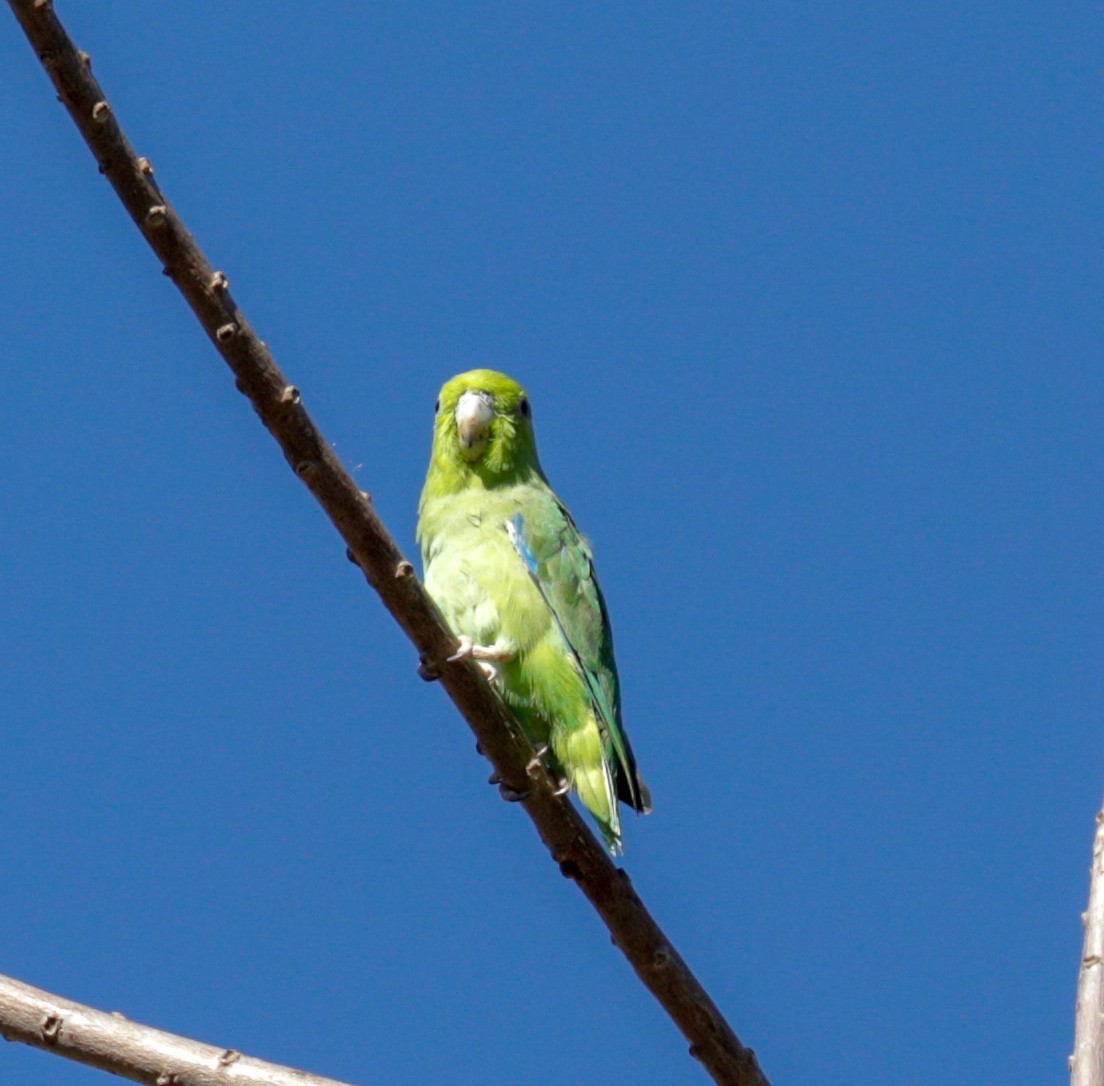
474, 413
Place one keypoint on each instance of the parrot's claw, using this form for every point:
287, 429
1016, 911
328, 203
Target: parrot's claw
563, 786
511, 795
536, 762
483, 655
465, 648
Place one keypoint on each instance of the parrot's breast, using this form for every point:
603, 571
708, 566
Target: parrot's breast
473, 572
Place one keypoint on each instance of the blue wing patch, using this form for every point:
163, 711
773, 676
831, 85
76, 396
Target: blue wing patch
515, 529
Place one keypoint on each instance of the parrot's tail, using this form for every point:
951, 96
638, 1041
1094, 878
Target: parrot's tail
595, 789
635, 794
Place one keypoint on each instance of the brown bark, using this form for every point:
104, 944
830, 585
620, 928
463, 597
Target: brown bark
140, 1053
1087, 1061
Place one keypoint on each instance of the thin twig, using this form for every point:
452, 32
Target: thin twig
1087, 1061
279, 406
141, 1053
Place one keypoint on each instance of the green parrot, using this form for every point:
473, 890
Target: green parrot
515, 581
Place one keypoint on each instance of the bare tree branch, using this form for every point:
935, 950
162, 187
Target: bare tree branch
279, 406
141, 1053
1087, 1061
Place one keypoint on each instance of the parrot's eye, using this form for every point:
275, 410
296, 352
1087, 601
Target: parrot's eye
524, 408
437, 407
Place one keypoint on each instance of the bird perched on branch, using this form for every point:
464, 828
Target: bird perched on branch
515, 582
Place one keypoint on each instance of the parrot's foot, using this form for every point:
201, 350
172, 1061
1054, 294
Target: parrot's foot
563, 786
483, 655
537, 761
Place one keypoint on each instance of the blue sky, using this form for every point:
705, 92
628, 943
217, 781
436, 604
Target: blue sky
806, 298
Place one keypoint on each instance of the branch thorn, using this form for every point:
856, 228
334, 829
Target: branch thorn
51, 1027
429, 670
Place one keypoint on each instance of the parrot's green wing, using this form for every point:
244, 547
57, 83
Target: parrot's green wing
561, 566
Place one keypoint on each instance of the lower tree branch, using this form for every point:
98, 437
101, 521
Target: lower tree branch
1087, 1061
279, 405
141, 1053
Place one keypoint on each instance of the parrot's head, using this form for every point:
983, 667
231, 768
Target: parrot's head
483, 429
